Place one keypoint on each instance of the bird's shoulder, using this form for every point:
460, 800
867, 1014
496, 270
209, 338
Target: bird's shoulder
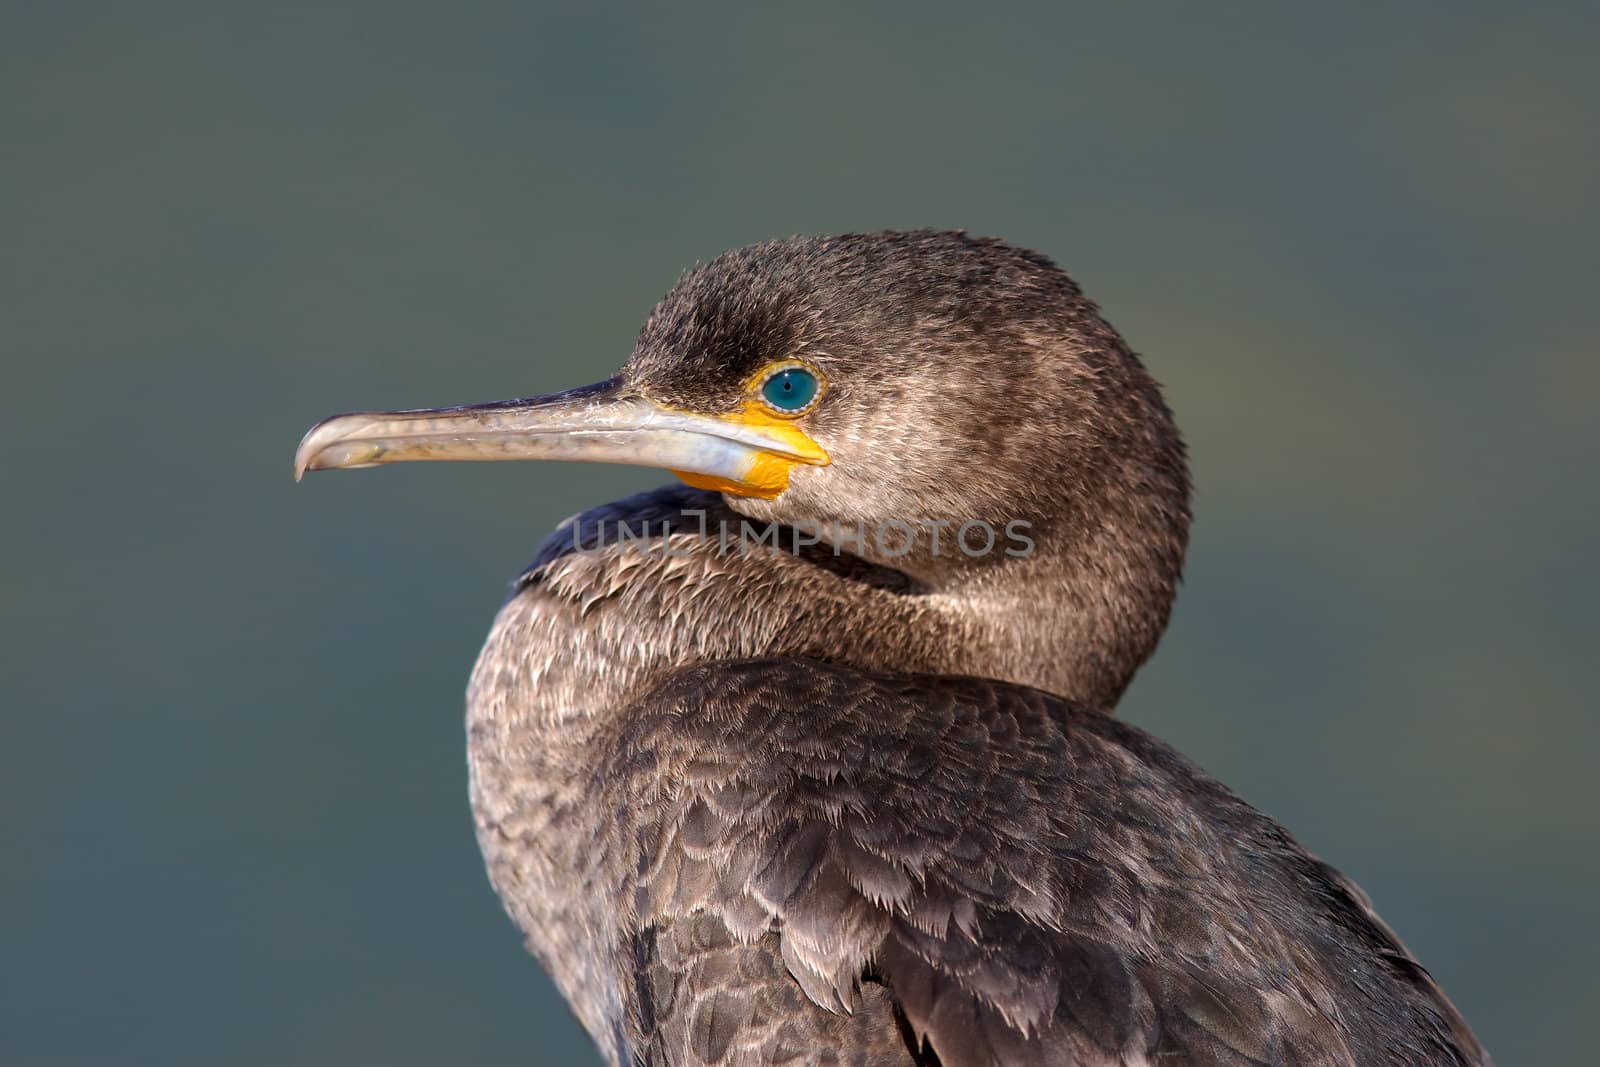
982, 873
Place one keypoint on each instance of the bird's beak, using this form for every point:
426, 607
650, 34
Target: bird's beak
747, 452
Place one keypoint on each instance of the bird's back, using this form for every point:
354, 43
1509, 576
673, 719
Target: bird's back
828, 858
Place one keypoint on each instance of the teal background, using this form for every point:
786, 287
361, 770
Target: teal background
1357, 243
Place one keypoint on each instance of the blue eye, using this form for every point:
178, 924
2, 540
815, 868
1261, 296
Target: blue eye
791, 389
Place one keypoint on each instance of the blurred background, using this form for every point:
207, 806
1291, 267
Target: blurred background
1358, 249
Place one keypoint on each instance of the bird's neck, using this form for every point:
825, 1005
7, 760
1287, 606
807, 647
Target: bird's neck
593, 627
605, 612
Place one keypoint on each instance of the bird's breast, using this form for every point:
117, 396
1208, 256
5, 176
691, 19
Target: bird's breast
584, 637
584, 634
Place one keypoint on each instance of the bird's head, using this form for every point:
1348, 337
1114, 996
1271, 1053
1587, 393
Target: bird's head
873, 382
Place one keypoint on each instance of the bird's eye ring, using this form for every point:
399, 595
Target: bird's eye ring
790, 389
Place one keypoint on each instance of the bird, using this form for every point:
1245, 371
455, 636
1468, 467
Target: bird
811, 756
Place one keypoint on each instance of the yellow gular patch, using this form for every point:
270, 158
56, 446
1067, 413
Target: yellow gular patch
768, 472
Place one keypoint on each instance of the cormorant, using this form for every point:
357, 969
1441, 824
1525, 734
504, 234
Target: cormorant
810, 761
